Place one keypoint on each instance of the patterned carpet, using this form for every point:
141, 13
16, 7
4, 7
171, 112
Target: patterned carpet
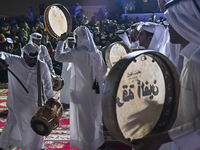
60, 137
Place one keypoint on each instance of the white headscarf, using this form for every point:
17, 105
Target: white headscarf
33, 36
185, 19
85, 42
158, 35
36, 36
147, 26
71, 39
32, 50
124, 37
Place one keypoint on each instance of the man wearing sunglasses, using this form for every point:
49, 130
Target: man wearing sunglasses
184, 19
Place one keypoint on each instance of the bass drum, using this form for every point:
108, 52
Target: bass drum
57, 20
140, 96
115, 52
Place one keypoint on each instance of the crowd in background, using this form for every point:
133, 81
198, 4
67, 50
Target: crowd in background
15, 31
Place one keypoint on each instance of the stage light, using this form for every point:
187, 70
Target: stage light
128, 5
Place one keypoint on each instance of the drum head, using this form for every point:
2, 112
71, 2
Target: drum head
115, 52
40, 127
140, 96
57, 20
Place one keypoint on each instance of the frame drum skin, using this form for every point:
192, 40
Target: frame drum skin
114, 52
57, 20
140, 96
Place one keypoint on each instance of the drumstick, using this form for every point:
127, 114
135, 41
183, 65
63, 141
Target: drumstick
2, 60
18, 80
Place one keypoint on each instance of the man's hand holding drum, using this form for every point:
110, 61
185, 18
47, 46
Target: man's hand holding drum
64, 36
152, 142
51, 101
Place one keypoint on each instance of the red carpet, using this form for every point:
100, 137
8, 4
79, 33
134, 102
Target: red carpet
59, 139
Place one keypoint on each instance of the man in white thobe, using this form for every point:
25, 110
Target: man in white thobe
184, 134
86, 87
169, 49
22, 105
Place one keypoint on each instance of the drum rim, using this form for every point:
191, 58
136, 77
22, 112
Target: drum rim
47, 127
110, 94
66, 13
126, 47
107, 54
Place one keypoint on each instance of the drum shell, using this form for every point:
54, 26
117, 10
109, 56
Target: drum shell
111, 88
47, 117
57, 82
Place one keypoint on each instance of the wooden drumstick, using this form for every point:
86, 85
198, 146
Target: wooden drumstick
5, 63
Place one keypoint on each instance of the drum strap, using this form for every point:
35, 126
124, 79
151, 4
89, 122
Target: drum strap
39, 84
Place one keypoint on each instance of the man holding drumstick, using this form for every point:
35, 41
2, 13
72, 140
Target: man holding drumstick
22, 104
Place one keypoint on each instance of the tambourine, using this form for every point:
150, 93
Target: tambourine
114, 52
57, 20
140, 96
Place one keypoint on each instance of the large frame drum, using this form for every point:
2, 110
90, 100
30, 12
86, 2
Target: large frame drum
57, 20
140, 96
115, 52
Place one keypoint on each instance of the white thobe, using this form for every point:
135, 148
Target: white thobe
66, 74
171, 51
86, 130
186, 129
125, 39
44, 56
21, 105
